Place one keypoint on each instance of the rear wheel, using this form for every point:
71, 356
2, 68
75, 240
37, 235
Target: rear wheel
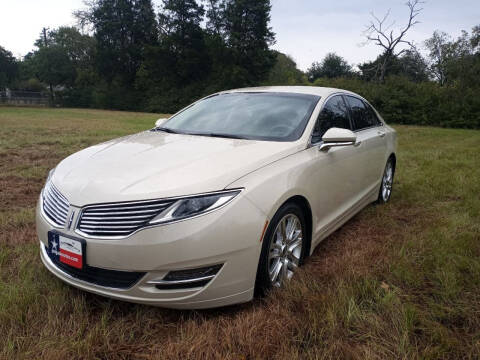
387, 182
283, 248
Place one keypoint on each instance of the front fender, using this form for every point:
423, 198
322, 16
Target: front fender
272, 185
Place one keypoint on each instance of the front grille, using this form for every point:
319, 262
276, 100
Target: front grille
119, 219
98, 276
55, 205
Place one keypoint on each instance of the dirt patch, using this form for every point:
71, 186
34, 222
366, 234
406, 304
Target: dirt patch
17, 192
28, 157
14, 235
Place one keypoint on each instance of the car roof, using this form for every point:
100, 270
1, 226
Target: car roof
311, 90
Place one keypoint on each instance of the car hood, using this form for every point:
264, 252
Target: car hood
152, 165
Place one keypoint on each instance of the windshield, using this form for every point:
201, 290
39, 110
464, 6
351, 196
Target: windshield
256, 116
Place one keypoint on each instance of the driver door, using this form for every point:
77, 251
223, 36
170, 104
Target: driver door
334, 173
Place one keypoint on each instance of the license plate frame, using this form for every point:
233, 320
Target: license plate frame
67, 250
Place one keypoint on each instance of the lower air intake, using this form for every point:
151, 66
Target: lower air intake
98, 276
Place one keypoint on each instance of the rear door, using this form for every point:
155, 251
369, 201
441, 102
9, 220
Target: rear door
371, 143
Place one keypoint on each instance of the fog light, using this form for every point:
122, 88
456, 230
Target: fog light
187, 279
191, 274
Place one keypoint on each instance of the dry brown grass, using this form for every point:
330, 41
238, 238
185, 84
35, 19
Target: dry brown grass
397, 281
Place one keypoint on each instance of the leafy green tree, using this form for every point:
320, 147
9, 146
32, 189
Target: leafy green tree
455, 61
8, 68
122, 29
176, 71
439, 47
463, 65
410, 64
475, 39
64, 59
53, 66
248, 38
79, 47
221, 57
285, 72
81, 51
183, 39
332, 66
215, 13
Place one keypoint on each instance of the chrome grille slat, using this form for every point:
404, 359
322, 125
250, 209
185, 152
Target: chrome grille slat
126, 212
52, 211
60, 200
59, 195
54, 205
101, 207
116, 227
111, 220
117, 217
96, 231
88, 222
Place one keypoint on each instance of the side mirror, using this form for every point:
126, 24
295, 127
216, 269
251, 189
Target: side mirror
337, 137
160, 122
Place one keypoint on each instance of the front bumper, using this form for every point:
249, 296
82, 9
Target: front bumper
228, 236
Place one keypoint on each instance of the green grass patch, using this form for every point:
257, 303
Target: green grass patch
397, 281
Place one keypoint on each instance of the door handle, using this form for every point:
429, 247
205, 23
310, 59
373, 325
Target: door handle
381, 134
357, 143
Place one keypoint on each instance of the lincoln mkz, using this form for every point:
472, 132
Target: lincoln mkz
222, 201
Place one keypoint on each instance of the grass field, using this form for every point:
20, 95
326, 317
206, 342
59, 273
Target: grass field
400, 281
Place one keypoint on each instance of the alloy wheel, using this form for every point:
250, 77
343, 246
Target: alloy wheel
387, 182
285, 249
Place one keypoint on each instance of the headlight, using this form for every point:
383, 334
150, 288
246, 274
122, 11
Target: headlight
193, 206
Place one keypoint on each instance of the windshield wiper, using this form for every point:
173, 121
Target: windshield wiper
168, 130
220, 135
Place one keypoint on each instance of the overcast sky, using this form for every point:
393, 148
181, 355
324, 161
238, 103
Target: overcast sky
305, 29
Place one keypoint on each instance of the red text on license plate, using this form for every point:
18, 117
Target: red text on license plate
71, 252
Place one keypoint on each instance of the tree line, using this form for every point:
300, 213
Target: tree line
125, 55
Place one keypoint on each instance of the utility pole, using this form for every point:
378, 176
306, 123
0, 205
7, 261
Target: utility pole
45, 43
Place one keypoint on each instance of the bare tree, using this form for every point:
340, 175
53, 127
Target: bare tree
383, 35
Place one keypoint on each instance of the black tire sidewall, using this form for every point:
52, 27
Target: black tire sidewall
263, 283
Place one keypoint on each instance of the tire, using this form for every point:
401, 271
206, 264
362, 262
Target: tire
279, 257
386, 186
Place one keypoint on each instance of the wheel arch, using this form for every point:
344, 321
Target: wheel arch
307, 210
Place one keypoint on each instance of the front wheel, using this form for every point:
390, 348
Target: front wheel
387, 182
283, 248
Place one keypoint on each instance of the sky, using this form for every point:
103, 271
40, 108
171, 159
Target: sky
305, 29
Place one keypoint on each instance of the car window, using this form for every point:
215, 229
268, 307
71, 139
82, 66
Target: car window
251, 115
376, 120
362, 116
333, 114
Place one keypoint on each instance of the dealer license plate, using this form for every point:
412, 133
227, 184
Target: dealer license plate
66, 249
